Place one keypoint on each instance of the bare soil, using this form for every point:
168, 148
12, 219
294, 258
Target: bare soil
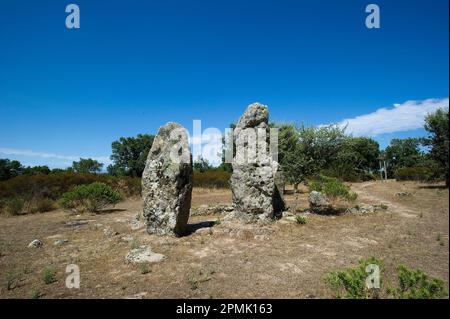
233, 260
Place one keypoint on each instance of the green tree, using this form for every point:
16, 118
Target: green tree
403, 153
34, 170
357, 155
202, 165
438, 139
305, 151
129, 155
9, 169
87, 165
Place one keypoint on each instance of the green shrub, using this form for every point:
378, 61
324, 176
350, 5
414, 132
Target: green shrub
91, 198
34, 188
192, 281
415, 284
412, 284
419, 174
351, 282
349, 175
332, 187
12, 279
14, 206
211, 179
300, 219
35, 294
144, 268
48, 275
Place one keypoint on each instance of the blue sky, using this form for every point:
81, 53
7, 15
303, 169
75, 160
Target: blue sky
135, 65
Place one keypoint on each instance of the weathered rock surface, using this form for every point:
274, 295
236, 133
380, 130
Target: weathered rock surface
144, 254
36, 243
167, 182
319, 204
255, 194
60, 242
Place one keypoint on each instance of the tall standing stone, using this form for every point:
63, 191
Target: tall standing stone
255, 194
167, 182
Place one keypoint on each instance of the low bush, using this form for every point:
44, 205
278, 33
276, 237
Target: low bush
91, 198
12, 279
415, 284
14, 206
350, 175
38, 193
43, 205
212, 179
419, 174
332, 187
351, 282
48, 275
411, 284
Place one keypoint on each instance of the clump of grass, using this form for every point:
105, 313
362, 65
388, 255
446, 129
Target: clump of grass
144, 268
192, 281
300, 219
35, 294
383, 206
43, 205
14, 206
439, 239
48, 275
12, 279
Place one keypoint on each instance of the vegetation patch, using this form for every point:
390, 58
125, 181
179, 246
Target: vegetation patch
332, 188
351, 283
91, 198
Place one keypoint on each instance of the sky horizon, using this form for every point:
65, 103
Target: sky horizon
133, 66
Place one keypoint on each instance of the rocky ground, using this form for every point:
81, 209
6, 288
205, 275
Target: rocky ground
224, 258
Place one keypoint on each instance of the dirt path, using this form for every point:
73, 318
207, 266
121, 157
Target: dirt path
232, 259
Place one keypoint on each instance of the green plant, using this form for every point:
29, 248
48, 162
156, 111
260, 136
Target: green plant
14, 206
300, 219
48, 275
35, 294
415, 284
332, 187
382, 206
91, 198
12, 279
192, 281
144, 268
217, 222
37, 190
420, 174
351, 282
43, 205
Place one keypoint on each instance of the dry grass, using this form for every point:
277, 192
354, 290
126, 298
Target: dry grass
235, 261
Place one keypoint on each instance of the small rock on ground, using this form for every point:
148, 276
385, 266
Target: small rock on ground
60, 242
144, 254
36, 243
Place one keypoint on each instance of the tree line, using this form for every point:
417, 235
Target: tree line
304, 152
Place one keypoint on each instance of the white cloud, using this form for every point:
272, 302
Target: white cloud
407, 116
64, 158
